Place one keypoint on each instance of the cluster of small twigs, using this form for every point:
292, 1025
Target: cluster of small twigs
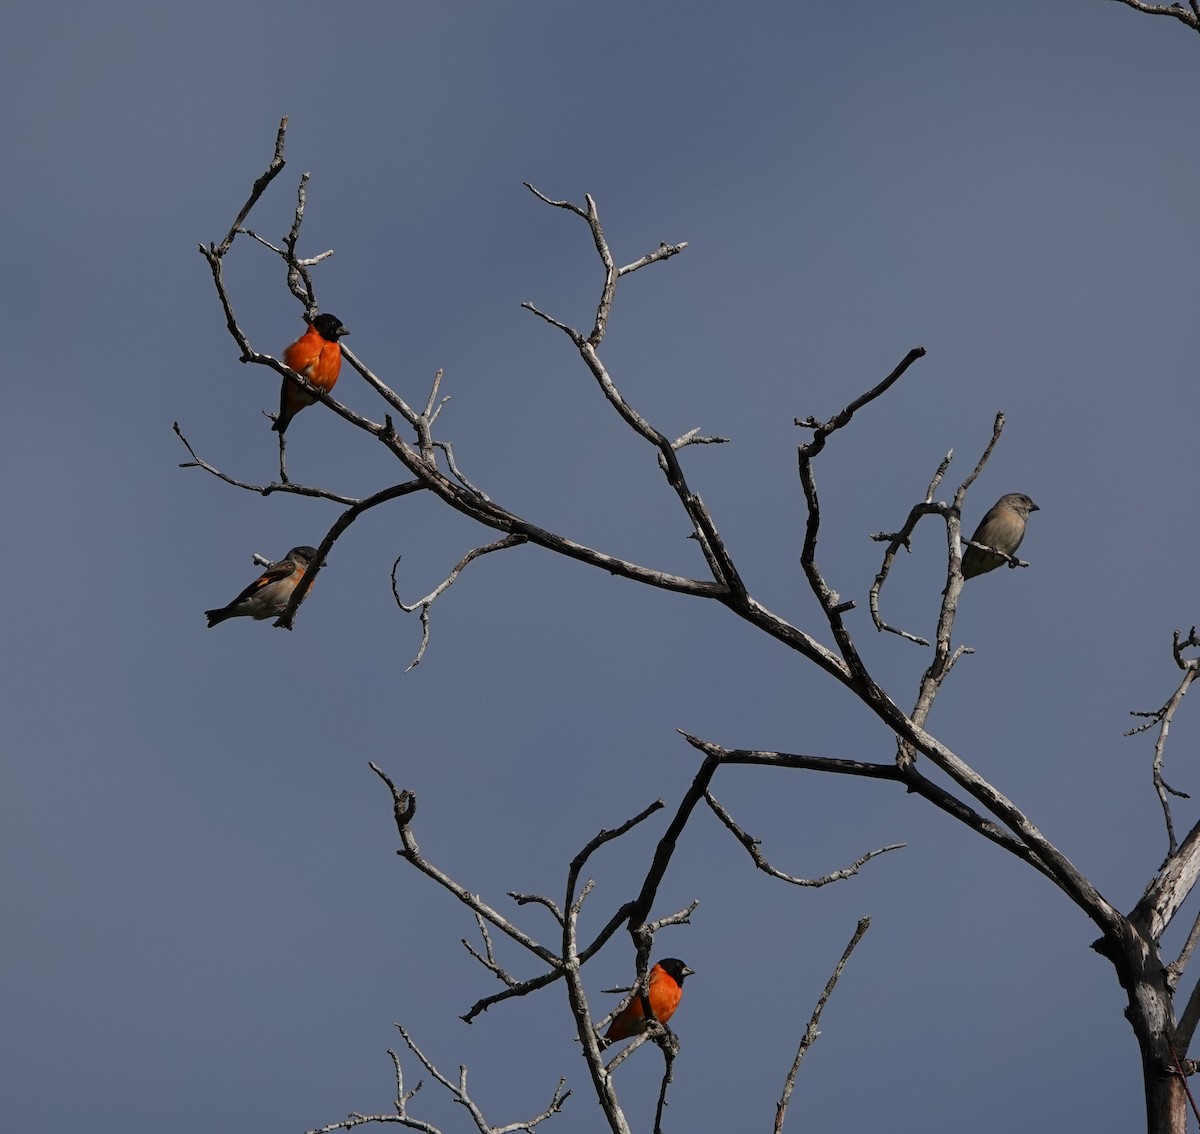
565, 960
1162, 717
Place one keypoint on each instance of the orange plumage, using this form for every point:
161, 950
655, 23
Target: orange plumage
664, 992
317, 356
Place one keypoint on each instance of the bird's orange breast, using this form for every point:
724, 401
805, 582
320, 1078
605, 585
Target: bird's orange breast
316, 358
664, 995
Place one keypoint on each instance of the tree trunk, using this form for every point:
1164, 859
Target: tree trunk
1151, 1013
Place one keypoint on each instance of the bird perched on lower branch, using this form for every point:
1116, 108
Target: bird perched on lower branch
1002, 528
268, 595
664, 992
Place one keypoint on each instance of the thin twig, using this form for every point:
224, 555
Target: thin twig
1191, 18
424, 604
752, 846
831, 602
811, 1032
257, 190
262, 489
284, 621
1163, 717
488, 957
401, 1103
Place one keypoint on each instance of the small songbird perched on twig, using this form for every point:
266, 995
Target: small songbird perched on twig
664, 991
317, 355
1002, 528
268, 595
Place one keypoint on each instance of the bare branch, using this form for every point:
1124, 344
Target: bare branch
842, 418
679, 917
1169, 889
404, 803
576, 867
425, 603
537, 900
911, 780
560, 1097
448, 449
692, 437
662, 252
706, 533
811, 1032
299, 278
1163, 717
348, 517
401, 1117
461, 1096
903, 538
576, 994
575, 336
997, 428
1186, 1028
668, 1044
752, 844
594, 844
1191, 18
383, 389
557, 204
943, 658
473, 554
488, 958
830, 600
262, 489
521, 988
257, 190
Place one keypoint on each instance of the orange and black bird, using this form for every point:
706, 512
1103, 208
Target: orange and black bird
317, 356
664, 992
267, 596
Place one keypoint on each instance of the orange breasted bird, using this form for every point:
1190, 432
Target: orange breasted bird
317, 356
664, 992
267, 596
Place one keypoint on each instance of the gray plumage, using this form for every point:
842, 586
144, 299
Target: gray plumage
1002, 528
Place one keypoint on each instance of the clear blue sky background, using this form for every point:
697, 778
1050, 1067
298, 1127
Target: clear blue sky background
205, 924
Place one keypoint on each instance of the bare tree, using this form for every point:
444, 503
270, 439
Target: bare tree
1131, 942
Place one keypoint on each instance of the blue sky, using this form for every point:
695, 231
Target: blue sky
206, 923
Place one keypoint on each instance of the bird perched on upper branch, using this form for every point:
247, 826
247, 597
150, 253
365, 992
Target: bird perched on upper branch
1002, 528
664, 992
317, 356
267, 596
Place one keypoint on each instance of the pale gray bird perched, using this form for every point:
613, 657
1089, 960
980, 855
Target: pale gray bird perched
1002, 528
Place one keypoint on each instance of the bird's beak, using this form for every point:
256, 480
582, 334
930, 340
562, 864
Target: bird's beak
688, 972
1034, 508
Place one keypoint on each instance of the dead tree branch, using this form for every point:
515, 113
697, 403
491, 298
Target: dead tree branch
811, 1032
458, 1092
1162, 717
1189, 16
752, 847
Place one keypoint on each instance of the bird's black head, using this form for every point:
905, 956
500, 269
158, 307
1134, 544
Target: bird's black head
675, 969
329, 327
305, 554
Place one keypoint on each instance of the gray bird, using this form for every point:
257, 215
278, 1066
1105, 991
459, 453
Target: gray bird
1002, 528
